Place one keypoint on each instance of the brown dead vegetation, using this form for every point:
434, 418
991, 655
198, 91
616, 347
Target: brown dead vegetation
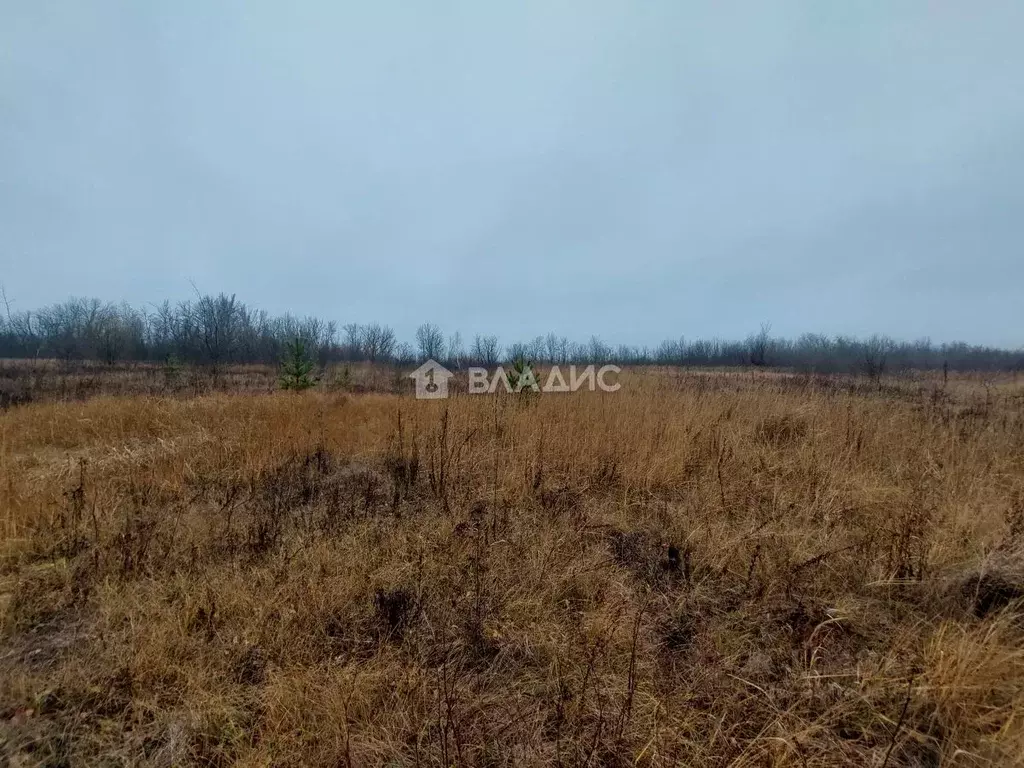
698, 569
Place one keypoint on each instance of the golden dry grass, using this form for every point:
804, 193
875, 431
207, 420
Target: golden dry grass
696, 570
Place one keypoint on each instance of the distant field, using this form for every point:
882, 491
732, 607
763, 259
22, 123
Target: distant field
703, 568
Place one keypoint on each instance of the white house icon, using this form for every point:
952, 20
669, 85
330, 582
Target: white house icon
431, 380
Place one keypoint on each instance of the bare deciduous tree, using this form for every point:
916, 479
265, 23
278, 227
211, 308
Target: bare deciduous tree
380, 342
486, 350
355, 341
876, 353
430, 341
456, 351
759, 345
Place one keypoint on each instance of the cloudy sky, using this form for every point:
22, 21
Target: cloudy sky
635, 169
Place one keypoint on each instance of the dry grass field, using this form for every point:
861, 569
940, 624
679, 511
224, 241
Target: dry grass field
699, 569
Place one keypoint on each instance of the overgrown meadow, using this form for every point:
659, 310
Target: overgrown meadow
703, 568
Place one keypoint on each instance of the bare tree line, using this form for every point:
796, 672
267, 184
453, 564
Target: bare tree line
220, 330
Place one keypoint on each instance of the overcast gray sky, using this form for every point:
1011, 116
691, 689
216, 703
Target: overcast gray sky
636, 169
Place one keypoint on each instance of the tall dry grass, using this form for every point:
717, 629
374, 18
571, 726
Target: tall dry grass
695, 570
